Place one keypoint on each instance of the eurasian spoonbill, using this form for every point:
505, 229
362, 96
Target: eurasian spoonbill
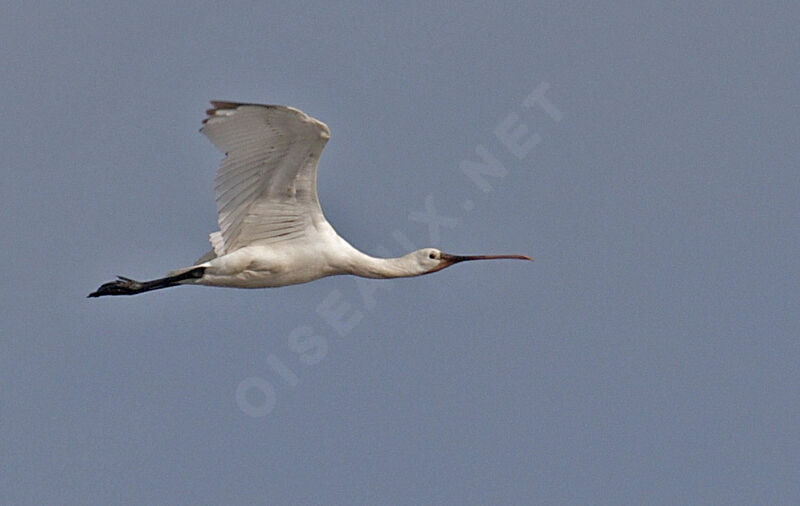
271, 228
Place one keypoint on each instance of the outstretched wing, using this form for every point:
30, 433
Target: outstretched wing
266, 186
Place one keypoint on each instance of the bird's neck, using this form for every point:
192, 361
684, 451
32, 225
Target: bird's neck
361, 264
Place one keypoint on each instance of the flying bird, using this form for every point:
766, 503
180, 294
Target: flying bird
271, 228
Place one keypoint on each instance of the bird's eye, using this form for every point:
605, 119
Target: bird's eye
432, 255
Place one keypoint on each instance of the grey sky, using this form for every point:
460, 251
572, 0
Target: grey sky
649, 355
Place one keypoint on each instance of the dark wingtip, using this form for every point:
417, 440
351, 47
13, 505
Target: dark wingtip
220, 105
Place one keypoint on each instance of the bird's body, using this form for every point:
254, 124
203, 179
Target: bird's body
272, 230
291, 264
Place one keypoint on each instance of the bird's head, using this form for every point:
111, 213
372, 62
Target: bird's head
431, 259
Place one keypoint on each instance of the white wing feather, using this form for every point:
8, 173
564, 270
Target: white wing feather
266, 187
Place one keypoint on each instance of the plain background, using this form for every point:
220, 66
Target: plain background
649, 355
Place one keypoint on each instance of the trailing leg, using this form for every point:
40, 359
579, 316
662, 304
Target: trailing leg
127, 286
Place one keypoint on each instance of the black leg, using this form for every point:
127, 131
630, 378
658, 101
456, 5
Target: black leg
127, 286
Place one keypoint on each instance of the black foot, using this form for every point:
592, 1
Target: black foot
122, 286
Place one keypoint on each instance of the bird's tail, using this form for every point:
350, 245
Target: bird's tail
184, 273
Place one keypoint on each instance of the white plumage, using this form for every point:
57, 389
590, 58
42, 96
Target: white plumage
271, 228
266, 187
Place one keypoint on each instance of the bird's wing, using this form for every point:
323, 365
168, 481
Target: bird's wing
266, 186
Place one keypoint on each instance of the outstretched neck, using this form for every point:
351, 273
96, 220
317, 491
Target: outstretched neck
361, 264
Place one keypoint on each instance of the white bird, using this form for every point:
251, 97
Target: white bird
271, 228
